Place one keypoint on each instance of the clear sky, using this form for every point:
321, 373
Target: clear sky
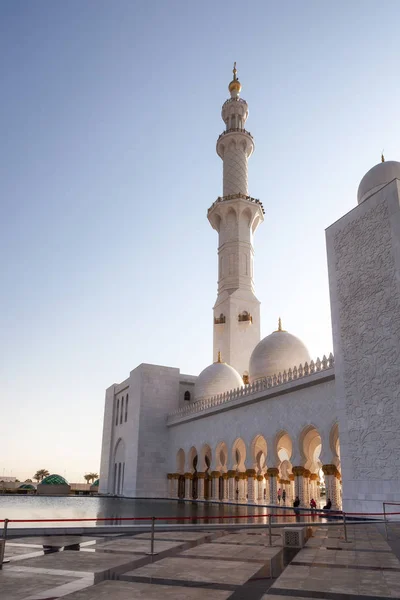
109, 116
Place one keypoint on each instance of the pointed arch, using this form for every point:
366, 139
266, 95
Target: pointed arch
258, 453
239, 455
221, 457
180, 461
310, 446
192, 460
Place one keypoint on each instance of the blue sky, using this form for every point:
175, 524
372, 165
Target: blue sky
110, 114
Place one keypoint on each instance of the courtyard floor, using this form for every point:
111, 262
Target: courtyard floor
234, 564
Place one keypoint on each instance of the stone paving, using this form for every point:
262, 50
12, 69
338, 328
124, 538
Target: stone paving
194, 565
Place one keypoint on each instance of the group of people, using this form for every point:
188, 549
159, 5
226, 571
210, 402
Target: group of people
296, 502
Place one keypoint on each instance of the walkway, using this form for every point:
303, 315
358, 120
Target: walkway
234, 564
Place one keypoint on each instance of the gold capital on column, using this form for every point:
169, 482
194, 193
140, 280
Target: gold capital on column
273, 472
314, 476
169, 475
231, 473
201, 475
215, 474
329, 469
251, 473
291, 477
298, 471
188, 475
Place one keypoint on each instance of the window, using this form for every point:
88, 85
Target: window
187, 396
126, 408
116, 420
122, 410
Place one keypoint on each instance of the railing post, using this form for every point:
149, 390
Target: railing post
4, 540
270, 528
152, 553
345, 527
385, 520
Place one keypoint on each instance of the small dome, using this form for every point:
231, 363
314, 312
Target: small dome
96, 483
54, 480
383, 173
235, 86
27, 486
276, 353
216, 379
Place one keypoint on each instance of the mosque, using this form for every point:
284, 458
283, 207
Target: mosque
266, 416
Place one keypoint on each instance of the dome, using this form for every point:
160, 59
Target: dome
96, 483
276, 353
235, 86
216, 379
27, 486
383, 173
54, 480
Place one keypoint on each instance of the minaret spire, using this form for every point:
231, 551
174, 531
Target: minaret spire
235, 216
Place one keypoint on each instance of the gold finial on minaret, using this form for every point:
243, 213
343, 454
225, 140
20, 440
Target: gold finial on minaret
219, 357
235, 86
382, 157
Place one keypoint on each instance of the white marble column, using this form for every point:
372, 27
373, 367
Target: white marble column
200, 486
214, 495
188, 486
231, 486
251, 486
273, 474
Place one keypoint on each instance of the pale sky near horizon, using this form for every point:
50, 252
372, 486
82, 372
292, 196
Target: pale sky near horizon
109, 117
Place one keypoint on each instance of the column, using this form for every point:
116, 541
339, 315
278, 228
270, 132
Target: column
188, 486
225, 496
273, 474
242, 485
170, 485
200, 486
231, 486
318, 492
214, 493
313, 484
292, 494
332, 483
260, 489
251, 486
298, 473
307, 496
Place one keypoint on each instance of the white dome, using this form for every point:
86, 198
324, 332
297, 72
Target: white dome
276, 353
216, 379
376, 178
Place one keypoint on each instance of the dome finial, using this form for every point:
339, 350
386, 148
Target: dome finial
219, 357
279, 326
382, 157
234, 71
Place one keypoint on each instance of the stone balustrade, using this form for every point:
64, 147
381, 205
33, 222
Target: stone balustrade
300, 372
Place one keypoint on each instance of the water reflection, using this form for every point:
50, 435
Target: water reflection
119, 509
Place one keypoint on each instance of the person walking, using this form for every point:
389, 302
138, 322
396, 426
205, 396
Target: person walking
284, 497
296, 505
279, 495
313, 504
328, 505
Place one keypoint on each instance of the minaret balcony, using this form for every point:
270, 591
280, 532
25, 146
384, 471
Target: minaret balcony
237, 197
235, 130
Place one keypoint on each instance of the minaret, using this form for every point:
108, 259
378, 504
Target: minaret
236, 217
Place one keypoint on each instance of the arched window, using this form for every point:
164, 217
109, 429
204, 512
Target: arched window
116, 420
126, 408
122, 410
187, 396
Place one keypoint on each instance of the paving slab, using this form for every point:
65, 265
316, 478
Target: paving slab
54, 540
176, 535
137, 545
200, 570
245, 539
259, 553
17, 584
93, 562
123, 590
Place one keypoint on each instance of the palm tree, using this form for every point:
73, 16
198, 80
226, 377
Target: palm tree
87, 477
91, 477
41, 474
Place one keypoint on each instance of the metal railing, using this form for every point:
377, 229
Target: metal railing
336, 518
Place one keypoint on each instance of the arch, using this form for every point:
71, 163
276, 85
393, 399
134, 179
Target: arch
192, 460
286, 469
205, 458
310, 446
247, 216
334, 443
186, 396
283, 446
239, 455
180, 461
221, 457
258, 454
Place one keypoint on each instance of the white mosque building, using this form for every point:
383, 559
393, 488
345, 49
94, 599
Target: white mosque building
266, 416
